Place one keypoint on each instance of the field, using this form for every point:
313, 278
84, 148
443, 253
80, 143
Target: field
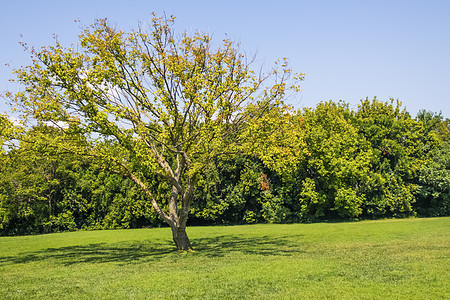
387, 259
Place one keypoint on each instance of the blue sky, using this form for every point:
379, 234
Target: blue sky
349, 50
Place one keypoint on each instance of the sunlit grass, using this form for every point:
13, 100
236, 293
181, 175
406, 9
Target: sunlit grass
393, 259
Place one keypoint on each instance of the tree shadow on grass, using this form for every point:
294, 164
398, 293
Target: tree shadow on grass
130, 252
264, 245
121, 253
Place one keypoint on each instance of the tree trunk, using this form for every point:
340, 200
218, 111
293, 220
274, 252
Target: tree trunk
181, 239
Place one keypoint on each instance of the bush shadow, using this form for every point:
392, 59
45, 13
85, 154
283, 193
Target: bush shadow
147, 251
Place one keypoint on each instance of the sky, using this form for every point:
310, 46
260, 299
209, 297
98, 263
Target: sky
349, 50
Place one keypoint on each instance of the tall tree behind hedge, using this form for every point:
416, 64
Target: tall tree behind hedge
329, 179
398, 146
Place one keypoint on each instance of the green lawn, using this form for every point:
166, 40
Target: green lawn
393, 259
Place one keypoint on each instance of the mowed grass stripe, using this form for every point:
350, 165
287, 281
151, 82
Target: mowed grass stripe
395, 259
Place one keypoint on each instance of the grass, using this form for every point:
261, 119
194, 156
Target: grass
389, 259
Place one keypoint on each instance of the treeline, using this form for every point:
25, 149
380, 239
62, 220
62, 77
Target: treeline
376, 161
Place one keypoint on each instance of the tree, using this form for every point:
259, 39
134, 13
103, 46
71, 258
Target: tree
434, 174
335, 169
165, 105
398, 146
434, 179
31, 185
45, 190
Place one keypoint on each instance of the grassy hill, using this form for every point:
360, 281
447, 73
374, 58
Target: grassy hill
388, 259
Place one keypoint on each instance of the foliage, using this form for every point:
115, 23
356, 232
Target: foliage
398, 153
330, 164
337, 165
43, 191
238, 191
434, 181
